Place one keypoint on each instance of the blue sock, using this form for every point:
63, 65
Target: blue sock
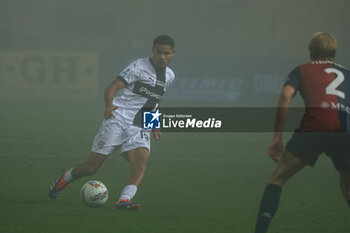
268, 207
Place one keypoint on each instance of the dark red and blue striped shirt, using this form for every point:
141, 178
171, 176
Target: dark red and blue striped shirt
325, 89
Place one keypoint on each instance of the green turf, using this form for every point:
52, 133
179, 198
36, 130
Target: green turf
207, 183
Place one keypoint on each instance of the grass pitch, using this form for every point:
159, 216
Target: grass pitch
195, 182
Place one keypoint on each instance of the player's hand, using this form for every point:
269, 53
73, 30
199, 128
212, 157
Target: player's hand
275, 149
157, 134
109, 111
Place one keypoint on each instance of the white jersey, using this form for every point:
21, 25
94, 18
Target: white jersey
144, 86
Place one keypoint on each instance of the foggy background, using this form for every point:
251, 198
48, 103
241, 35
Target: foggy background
228, 52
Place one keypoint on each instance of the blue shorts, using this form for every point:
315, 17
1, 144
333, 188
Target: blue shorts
310, 145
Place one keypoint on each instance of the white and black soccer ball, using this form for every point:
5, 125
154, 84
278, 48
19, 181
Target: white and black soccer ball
94, 193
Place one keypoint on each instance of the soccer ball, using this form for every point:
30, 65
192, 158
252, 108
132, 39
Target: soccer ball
94, 193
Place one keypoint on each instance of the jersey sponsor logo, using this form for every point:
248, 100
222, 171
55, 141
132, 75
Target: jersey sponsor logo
148, 91
151, 120
325, 104
340, 107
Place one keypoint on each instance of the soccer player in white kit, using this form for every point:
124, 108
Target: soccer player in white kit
138, 86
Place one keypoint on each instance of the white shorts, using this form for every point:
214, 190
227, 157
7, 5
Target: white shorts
112, 136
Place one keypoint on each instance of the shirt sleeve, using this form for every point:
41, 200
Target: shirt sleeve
130, 74
293, 78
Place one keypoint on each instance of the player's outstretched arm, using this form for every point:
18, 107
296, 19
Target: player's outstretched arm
276, 146
109, 94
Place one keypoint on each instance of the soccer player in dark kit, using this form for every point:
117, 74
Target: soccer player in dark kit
325, 127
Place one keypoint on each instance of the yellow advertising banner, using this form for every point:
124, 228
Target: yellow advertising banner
48, 74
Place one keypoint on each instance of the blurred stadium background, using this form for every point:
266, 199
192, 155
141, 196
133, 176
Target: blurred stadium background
227, 51
57, 56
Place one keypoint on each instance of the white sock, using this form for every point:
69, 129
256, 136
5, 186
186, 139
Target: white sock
128, 192
68, 176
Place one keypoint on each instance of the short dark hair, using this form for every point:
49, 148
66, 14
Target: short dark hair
164, 40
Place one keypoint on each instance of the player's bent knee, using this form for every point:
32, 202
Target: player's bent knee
278, 178
277, 181
140, 167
